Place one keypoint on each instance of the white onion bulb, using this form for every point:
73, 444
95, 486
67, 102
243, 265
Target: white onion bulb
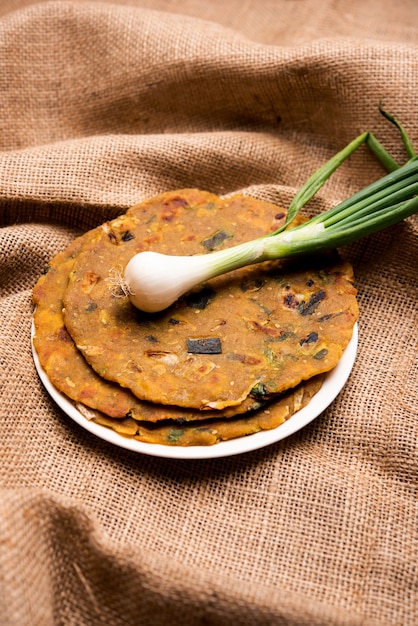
154, 281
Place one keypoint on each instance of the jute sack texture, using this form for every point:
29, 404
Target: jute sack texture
103, 105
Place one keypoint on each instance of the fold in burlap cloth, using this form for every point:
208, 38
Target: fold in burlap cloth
102, 105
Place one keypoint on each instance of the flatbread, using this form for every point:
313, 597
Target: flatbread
277, 323
213, 431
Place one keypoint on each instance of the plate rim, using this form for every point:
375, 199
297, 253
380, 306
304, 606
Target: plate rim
333, 383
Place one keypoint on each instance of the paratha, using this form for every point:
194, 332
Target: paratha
273, 325
214, 430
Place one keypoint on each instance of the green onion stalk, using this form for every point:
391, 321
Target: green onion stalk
154, 281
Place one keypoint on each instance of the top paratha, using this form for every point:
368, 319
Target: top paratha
259, 330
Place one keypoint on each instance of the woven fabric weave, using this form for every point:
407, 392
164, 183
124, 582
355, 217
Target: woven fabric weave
104, 104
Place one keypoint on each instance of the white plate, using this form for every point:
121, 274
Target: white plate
333, 383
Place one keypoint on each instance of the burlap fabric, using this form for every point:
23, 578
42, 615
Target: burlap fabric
102, 105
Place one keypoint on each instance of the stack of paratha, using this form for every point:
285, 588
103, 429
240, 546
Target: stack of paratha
236, 355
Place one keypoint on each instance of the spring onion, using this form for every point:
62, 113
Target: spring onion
154, 281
